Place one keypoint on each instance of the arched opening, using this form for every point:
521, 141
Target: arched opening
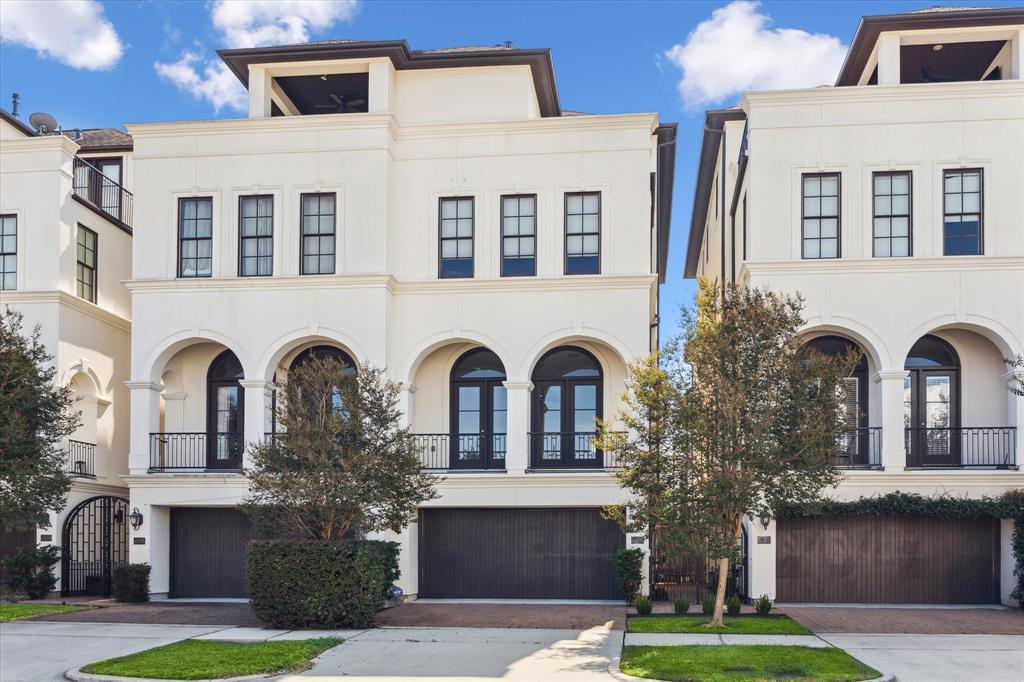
567, 401
320, 352
94, 540
225, 410
82, 443
931, 403
479, 411
859, 444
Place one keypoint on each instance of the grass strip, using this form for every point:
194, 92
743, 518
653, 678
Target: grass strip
734, 625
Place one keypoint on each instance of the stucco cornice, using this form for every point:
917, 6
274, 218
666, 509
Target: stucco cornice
260, 284
575, 283
955, 479
926, 92
66, 299
40, 143
949, 264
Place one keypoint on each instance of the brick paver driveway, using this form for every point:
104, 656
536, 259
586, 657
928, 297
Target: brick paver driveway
936, 621
543, 616
164, 613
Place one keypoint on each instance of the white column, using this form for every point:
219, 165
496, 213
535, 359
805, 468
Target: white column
894, 454
1015, 410
761, 557
381, 87
256, 423
145, 419
174, 412
150, 543
1017, 56
517, 440
407, 404
888, 59
259, 92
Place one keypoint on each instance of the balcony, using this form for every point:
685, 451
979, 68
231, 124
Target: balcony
102, 194
568, 451
860, 448
461, 452
81, 459
962, 447
196, 452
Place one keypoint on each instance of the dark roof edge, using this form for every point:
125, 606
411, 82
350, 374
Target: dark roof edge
17, 123
666, 168
871, 26
539, 61
111, 148
714, 124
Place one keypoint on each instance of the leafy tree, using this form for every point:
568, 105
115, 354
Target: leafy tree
341, 465
35, 416
758, 421
1016, 385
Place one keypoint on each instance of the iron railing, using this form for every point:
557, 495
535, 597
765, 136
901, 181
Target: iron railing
860, 448
962, 447
195, 451
82, 459
103, 193
455, 452
571, 450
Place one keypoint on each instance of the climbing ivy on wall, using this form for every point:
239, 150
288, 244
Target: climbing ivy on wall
1008, 506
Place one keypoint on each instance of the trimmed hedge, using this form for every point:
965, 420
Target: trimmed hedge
628, 563
306, 584
131, 582
29, 571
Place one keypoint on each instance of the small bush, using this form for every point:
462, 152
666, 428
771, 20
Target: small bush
29, 571
305, 584
643, 605
628, 563
733, 605
681, 605
763, 605
131, 582
707, 607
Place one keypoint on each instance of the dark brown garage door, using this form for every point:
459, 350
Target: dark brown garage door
896, 560
208, 552
518, 554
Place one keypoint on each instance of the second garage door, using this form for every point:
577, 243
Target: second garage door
518, 554
893, 560
208, 552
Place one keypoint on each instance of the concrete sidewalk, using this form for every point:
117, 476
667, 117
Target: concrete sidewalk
687, 639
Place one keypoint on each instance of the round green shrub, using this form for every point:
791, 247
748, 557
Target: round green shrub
131, 582
681, 605
643, 605
763, 605
707, 607
733, 605
29, 572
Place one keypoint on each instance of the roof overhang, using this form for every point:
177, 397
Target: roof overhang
17, 123
871, 27
666, 160
539, 61
714, 125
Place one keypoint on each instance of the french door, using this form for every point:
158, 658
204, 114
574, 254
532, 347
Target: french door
478, 424
225, 410
564, 418
932, 417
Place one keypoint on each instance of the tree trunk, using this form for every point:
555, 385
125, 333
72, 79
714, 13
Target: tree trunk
723, 576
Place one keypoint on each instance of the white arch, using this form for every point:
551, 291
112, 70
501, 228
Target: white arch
1000, 336
413, 360
585, 335
289, 341
871, 343
81, 368
153, 366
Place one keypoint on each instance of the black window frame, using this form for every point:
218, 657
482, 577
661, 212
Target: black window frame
441, 239
80, 265
5, 255
946, 172
519, 237
242, 237
838, 216
565, 231
319, 235
183, 239
909, 215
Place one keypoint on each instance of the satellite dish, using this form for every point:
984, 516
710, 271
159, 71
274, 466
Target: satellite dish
43, 123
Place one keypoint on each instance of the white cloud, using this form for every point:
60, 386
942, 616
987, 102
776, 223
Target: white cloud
73, 32
737, 50
250, 23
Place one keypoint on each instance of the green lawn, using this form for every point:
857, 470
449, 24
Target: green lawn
22, 610
731, 663
734, 625
194, 659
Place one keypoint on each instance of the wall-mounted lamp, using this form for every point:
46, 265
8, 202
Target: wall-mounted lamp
765, 519
136, 518
937, 48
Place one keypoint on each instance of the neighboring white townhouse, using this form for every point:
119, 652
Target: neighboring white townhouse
434, 213
65, 250
893, 203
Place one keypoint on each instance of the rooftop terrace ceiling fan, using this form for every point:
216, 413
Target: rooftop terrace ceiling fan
340, 105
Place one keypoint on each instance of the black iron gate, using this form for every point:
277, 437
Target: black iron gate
677, 573
94, 540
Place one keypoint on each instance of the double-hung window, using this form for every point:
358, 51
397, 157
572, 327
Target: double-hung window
456, 237
8, 252
962, 213
318, 235
519, 235
256, 236
891, 213
820, 215
195, 237
582, 233
85, 272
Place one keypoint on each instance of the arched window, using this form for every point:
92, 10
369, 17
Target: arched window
854, 447
322, 352
225, 410
567, 401
479, 410
931, 402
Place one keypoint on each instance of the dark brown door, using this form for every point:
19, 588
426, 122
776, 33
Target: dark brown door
518, 554
208, 552
894, 560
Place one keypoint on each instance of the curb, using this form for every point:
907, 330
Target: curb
76, 675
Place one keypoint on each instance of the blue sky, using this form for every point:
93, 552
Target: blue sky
609, 58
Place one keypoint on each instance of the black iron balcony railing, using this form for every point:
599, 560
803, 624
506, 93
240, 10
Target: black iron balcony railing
102, 193
860, 448
962, 447
461, 452
81, 459
570, 450
195, 451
